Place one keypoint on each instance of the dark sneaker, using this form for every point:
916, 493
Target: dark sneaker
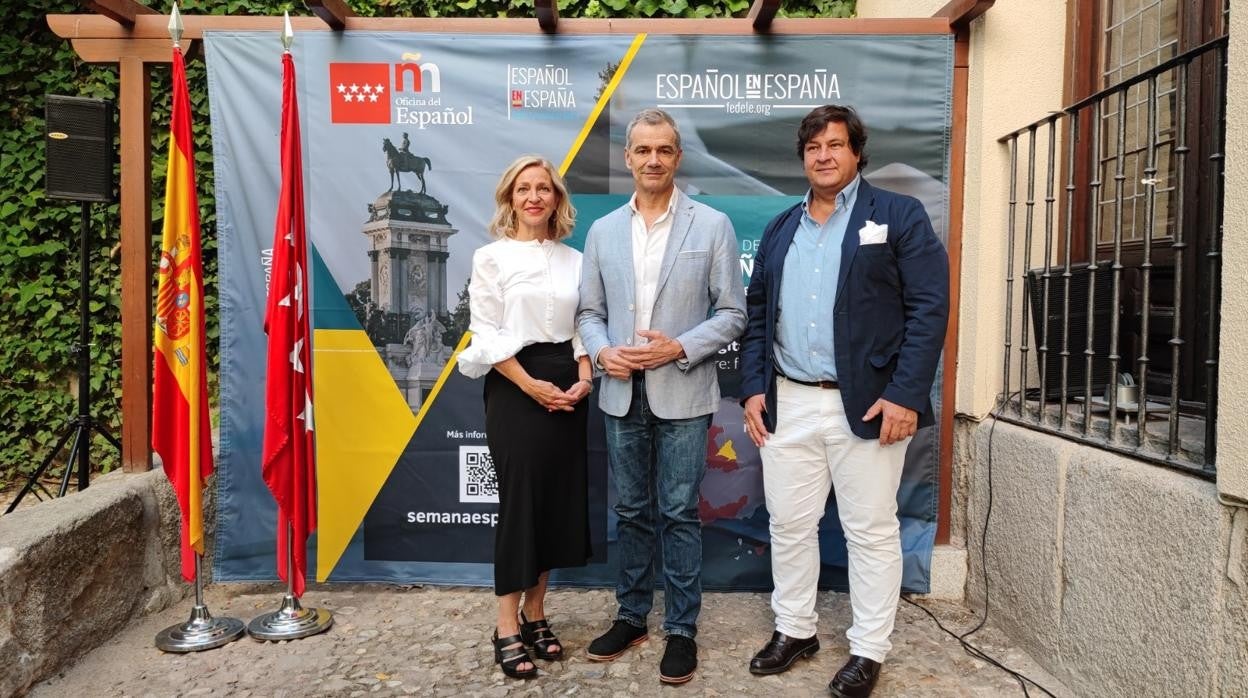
680, 660
616, 641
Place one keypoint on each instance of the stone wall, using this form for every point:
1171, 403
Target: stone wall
75, 570
1120, 577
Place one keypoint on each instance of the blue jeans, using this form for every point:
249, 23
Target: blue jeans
658, 466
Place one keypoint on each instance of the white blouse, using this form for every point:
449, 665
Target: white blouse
521, 293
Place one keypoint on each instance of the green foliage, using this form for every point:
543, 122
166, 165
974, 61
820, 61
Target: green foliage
39, 254
38, 237
460, 318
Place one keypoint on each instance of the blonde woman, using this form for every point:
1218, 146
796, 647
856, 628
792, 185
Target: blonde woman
523, 298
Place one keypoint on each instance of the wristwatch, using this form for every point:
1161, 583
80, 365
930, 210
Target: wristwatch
589, 382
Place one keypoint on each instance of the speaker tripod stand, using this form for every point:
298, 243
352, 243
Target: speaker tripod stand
84, 424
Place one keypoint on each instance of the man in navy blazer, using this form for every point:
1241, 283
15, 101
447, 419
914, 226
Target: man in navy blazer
847, 307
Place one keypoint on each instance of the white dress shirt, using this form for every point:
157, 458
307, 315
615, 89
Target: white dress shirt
521, 293
649, 245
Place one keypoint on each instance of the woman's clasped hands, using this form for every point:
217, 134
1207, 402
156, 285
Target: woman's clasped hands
551, 397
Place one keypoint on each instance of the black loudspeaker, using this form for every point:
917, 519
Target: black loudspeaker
1081, 286
80, 155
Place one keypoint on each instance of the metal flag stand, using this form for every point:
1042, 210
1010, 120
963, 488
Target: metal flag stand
292, 621
201, 631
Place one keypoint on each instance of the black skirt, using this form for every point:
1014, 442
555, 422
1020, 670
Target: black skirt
540, 459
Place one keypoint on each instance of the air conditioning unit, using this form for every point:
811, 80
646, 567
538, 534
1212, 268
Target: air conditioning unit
1081, 283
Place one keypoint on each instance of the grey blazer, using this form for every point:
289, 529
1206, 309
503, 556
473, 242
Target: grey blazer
699, 301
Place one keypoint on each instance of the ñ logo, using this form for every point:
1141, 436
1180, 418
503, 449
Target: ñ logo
360, 93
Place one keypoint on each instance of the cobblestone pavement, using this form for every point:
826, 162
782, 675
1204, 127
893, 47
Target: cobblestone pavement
390, 641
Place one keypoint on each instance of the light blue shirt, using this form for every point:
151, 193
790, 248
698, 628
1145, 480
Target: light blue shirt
812, 268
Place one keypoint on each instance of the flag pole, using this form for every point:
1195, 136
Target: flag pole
201, 631
291, 621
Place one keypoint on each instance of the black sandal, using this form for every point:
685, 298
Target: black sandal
510, 657
538, 635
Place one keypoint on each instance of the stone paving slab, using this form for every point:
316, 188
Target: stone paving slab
434, 641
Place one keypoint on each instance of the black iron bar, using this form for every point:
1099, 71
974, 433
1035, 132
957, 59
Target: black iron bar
1116, 265
1071, 134
1146, 267
1094, 232
1042, 351
1009, 272
1029, 221
1179, 245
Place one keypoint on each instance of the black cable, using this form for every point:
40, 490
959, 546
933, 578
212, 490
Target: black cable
967, 647
978, 653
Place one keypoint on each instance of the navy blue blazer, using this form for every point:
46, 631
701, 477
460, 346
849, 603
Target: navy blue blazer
890, 315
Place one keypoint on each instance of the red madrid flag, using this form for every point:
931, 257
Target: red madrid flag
289, 461
359, 93
180, 431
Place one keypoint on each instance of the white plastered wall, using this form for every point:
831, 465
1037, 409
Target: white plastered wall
1232, 457
899, 8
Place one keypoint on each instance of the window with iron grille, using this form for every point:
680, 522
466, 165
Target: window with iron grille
1116, 317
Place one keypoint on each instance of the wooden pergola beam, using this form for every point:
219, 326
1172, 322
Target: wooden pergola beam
961, 13
547, 15
332, 12
146, 50
762, 12
154, 26
123, 12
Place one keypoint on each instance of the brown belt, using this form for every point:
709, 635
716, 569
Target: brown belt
827, 385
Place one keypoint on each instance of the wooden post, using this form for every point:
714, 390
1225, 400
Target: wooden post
761, 13
122, 12
333, 12
960, 14
136, 265
547, 15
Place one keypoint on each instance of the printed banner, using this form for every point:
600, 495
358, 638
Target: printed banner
405, 136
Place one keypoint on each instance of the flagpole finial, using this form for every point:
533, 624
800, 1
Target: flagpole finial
175, 25
288, 34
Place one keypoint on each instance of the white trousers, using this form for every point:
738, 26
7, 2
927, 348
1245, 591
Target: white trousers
814, 451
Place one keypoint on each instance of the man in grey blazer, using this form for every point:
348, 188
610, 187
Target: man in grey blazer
661, 293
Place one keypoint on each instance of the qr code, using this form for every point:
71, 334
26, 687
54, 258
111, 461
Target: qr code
478, 482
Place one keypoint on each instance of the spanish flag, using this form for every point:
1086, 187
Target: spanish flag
180, 430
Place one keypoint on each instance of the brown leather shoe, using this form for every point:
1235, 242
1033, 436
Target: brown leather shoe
781, 651
856, 679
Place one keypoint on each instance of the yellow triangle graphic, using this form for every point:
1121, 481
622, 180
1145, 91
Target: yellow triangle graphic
362, 426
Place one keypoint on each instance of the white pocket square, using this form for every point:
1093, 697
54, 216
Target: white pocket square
873, 234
